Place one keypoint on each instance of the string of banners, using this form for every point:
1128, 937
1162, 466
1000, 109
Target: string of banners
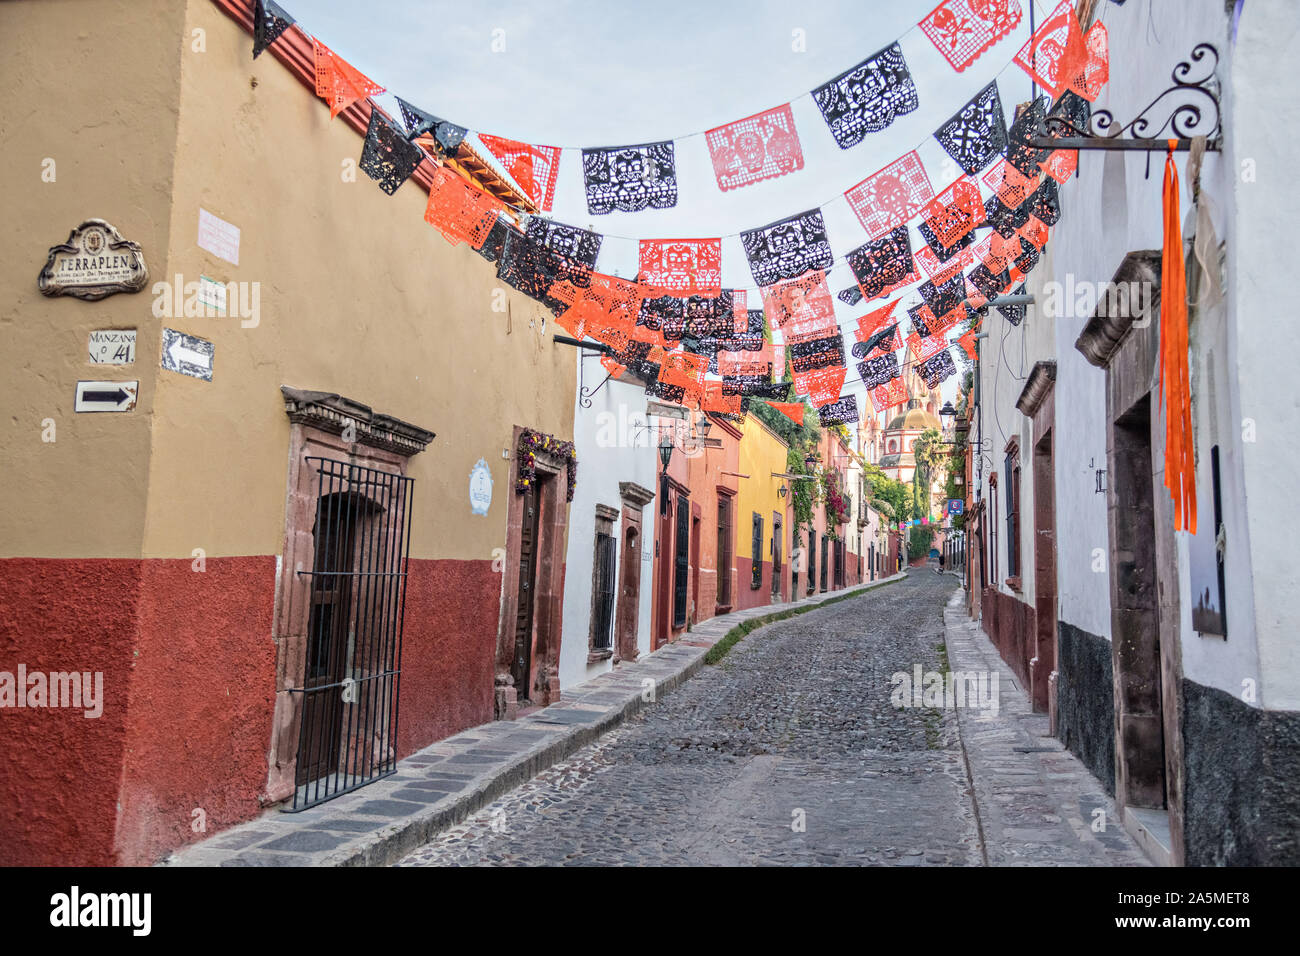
675, 325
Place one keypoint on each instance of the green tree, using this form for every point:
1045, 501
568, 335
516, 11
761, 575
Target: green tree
918, 540
930, 454
801, 491
883, 488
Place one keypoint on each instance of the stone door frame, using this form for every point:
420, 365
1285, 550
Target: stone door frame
627, 613
1038, 402
548, 592
322, 425
1123, 338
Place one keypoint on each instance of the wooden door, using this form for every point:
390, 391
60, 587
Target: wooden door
629, 598
521, 666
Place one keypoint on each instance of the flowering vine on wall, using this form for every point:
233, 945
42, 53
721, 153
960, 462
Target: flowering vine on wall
837, 508
530, 443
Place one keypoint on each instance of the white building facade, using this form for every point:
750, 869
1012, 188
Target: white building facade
608, 565
1167, 659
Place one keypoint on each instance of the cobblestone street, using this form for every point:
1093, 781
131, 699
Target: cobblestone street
787, 752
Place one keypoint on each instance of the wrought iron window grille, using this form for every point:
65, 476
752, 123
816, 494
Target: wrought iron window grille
348, 699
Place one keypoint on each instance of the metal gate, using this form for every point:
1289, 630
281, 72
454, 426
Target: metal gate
604, 590
681, 563
347, 733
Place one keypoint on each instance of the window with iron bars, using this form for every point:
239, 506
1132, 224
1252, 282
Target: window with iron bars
812, 560
756, 549
724, 551
347, 733
603, 618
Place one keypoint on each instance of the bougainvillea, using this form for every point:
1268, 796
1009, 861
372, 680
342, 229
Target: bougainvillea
837, 508
530, 443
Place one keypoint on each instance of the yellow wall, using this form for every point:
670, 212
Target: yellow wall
358, 295
92, 86
761, 453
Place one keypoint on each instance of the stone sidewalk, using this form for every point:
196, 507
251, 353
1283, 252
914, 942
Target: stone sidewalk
444, 783
1036, 803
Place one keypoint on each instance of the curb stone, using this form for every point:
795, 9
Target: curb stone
1049, 798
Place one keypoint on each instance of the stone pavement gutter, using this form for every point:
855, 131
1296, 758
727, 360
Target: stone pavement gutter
1036, 804
444, 783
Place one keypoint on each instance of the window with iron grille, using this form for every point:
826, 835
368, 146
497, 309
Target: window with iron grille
1013, 514
724, 551
756, 550
826, 543
681, 561
603, 618
812, 560
347, 734
993, 531
776, 557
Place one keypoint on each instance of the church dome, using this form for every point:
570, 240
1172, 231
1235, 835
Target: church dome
914, 418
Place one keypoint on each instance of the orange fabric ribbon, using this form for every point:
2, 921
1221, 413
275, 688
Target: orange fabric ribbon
1180, 467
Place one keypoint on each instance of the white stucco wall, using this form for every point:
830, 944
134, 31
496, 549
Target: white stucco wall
612, 446
1112, 208
1264, 585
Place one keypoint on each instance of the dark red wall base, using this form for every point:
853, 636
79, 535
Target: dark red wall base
59, 771
188, 662
1010, 625
746, 594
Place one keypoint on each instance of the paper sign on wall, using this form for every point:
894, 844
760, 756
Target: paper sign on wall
218, 237
212, 294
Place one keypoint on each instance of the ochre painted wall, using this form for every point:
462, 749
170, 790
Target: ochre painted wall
92, 87
761, 454
359, 296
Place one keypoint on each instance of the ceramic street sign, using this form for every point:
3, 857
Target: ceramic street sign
480, 488
187, 354
112, 347
95, 262
106, 396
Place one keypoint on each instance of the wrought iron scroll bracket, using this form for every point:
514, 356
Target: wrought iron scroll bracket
585, 394
1190, 108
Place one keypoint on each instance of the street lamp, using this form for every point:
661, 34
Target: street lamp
947, 412
810, 461
705, 426
666, 449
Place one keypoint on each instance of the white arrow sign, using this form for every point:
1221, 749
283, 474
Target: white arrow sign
187, 354
106, 396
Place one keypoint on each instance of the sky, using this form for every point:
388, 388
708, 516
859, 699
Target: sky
586, 73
